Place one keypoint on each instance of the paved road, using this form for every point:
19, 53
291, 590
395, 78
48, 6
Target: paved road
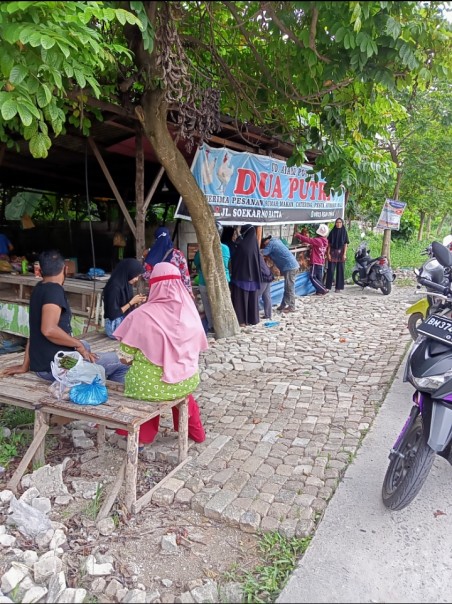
362, 552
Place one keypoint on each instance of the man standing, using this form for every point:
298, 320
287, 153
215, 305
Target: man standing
50, 326
288, 267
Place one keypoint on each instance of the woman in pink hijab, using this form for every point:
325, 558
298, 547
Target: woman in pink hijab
161, 340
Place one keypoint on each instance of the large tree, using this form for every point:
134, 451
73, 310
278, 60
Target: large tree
318, 74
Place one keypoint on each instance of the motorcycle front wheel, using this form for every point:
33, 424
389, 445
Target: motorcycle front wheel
408, 468
355, 278
413, 322
386, 287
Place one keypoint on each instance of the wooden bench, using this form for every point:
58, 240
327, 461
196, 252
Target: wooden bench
31, 392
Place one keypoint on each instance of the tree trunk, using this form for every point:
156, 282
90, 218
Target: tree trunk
386, 245
421, 226
441, 225
429, 225
153, 117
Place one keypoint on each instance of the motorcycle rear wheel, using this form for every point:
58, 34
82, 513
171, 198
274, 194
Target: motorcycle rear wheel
386, 287
408, 469
356, 279
415, 320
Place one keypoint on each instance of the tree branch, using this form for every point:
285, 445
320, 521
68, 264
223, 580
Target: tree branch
312, 35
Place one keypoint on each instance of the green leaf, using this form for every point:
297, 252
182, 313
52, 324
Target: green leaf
80, 77
24, 114
393, 28
30, 131
39, 145
35, 39
32, 108
68, 69
340, 34
9, 109
43, 96
6, 64
47, 42
64, 48
18, 74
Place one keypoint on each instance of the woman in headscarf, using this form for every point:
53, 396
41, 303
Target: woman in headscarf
336, 255
246, 277
163, 251
161, 341
119, 299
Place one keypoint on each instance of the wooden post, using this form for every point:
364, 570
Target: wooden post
131, 469
183, 429
113, 187
100, 436
41, 421
112, 494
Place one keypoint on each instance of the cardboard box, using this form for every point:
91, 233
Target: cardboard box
71, 264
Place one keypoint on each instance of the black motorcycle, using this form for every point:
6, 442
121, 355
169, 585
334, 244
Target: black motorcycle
428, 429
372, 272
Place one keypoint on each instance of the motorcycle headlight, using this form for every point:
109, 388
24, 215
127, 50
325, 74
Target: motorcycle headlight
430, 383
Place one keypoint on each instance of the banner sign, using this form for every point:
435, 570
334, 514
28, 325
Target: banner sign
391, 214
245, 188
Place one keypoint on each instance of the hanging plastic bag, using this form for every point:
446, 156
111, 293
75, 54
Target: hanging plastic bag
89, 394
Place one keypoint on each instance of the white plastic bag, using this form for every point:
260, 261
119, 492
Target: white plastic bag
83, 372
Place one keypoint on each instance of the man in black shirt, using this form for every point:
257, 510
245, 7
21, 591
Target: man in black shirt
50, 326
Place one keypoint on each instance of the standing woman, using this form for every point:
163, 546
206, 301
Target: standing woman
163, 251
162, 341
118, 295
336, 255
246, 277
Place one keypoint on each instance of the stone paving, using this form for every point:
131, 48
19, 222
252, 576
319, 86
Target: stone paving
286, 408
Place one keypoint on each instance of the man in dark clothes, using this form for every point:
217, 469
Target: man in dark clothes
50, 326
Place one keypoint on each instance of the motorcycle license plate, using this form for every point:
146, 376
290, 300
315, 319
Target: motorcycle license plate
437, 327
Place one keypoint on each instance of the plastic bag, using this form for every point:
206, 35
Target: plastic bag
83, 372
89, 394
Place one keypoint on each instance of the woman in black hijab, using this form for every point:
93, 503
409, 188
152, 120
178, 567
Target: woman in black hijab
118, 293
336, 255
246, 277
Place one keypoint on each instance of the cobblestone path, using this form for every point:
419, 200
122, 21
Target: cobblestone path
285, 409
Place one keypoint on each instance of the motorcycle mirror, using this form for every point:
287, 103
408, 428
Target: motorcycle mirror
442, 254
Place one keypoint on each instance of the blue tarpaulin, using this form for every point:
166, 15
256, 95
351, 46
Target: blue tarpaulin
303, 287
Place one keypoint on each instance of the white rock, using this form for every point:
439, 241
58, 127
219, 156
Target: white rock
167, 582
58, 539
6, 496
42, 504
72, 596
30, 557
98, 585
106, 526
46, 568
63, 499
113, 588
134, 595
169, 544
2, 529
97, 570
29, 495
11, 579
7, 540
34, 594
57, 585
43, 540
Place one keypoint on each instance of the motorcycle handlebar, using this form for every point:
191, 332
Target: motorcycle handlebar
434, 286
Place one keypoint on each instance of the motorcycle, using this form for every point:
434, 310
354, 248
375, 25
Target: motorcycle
433, 271
428, 429
372, 272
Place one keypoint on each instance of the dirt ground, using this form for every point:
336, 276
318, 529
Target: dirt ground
206, 549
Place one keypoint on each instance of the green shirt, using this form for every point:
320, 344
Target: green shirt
144, 379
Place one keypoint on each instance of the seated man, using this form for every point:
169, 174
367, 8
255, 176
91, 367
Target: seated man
50, 326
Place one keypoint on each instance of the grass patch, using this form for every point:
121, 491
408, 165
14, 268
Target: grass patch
279, 557
12, 446
92, 509
11, 417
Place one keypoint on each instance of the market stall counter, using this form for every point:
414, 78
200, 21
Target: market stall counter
85, 299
